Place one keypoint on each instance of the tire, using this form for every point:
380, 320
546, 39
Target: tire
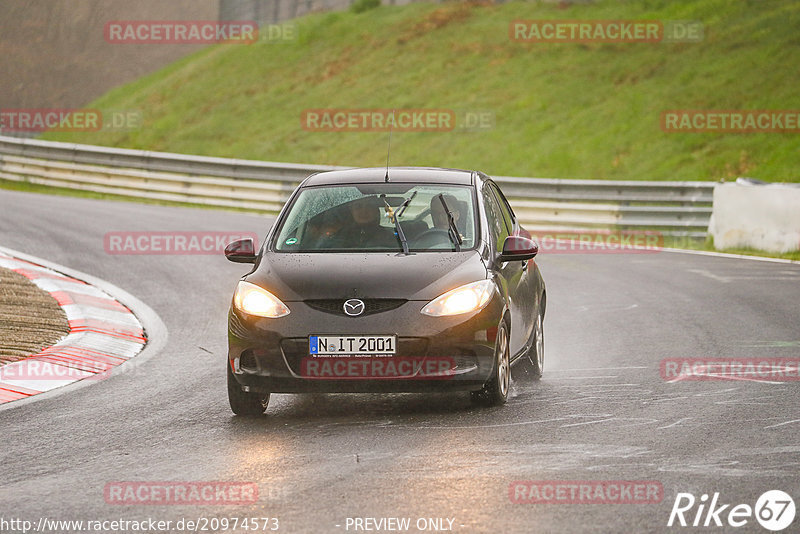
243, 402
495, 391
536, 353
531, 363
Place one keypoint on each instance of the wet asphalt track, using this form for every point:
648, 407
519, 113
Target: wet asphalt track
601, 412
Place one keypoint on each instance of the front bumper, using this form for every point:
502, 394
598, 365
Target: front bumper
446, 353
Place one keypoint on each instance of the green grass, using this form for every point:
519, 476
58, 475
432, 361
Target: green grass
561, 110
708, 245
794, 256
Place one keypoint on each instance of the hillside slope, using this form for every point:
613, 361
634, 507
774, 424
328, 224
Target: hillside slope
566, 110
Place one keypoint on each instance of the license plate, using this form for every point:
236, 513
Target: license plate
351, 345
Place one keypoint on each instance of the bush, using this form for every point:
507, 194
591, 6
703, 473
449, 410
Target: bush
359, 6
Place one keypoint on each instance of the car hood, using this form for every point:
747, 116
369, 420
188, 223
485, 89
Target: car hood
421, 276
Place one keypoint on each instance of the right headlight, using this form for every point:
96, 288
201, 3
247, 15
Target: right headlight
255, 300
467, 298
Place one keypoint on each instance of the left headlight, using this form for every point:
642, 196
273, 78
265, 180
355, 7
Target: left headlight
255, 300
467, 298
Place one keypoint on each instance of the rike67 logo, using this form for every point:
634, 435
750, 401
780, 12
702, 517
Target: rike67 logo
774, 510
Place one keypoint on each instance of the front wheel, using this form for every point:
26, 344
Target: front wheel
495, 391
531, 363
536, 354
244, 402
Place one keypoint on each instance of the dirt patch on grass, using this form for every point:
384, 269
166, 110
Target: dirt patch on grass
30, 319
336, 67
439, 18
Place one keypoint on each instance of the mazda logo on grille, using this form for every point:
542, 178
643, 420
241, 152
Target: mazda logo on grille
353, 307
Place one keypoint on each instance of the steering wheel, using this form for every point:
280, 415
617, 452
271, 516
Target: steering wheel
432, 237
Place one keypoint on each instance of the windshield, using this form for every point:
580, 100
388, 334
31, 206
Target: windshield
376, 218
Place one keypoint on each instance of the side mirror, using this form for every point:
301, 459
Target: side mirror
517, 248
241, 251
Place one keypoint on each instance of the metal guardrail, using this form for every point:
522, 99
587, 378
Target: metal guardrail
673, 208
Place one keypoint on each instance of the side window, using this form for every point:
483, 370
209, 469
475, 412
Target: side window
497, 225
508, 213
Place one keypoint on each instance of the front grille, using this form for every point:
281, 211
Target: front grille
371, 306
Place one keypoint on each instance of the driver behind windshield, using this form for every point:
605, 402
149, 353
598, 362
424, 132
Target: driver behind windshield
364, 231
439, 215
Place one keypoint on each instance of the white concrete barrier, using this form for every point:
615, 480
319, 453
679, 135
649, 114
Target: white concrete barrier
763, 217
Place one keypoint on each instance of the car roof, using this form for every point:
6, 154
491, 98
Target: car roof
433, 175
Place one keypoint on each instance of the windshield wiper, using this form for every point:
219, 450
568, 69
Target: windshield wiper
405, 204
396, 216
455, 237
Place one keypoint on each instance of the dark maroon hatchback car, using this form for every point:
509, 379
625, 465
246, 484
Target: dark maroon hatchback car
387, 280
